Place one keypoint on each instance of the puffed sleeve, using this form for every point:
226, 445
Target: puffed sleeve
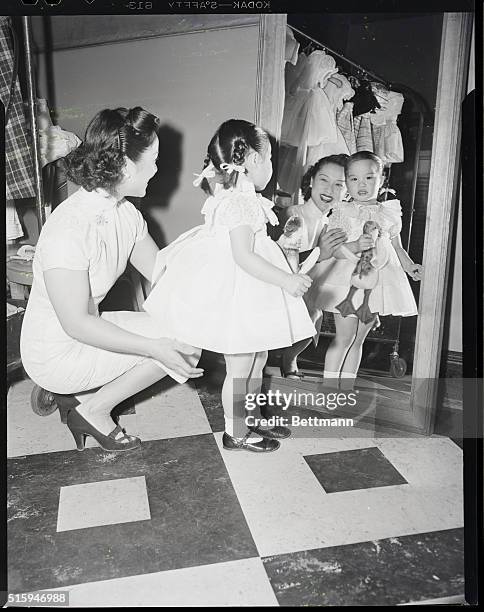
392, 212
137, 221
241, 209
64, 247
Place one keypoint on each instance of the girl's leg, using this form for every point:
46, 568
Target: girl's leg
346, 330
97, 409
239, 368
353, 357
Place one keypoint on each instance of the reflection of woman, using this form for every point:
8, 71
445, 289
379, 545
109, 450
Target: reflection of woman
66, 346
322, 186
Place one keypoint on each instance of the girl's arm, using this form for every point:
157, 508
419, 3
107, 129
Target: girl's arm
242, 242
143, 256
414, 270
69, 292
356, 246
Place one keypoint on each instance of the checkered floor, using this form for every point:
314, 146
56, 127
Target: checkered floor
180, 521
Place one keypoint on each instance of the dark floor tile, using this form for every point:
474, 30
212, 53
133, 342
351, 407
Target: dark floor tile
385, 572
196, 518
209, 391
362, 468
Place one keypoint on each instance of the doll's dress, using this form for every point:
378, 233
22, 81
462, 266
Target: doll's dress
332, 278
202, 297
307, 114
331, 140
387, 139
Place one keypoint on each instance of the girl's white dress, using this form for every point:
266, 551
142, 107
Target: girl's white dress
204, 298
332, 278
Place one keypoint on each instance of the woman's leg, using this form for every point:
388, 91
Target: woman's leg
346, 330
97, 409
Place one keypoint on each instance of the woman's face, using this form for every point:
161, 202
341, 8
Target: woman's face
140, 172
328, 186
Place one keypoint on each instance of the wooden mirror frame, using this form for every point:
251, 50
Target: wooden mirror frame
418, 415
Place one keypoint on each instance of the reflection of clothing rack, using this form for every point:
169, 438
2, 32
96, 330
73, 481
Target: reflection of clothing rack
360, 69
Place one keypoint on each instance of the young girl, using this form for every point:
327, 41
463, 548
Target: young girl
322, 187
392, 294
225, 286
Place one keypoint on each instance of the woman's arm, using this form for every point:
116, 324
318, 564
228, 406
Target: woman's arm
356, 246
69, 292
143, 256
414, 270
242, 240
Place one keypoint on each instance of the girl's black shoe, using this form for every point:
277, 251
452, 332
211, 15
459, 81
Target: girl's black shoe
265, 445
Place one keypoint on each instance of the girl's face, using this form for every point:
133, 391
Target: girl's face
259, 167
363, 180
139, 173
328, 186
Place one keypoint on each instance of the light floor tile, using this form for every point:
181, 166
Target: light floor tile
108, 502
287, 510
173, 413
234, 583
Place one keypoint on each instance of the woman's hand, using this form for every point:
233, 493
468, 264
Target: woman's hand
329, 241
177, 356
297, 284
365, 242
415, 271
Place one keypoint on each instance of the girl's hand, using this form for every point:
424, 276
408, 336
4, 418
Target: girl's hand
415, 271
297, 284
177, 356
365, 242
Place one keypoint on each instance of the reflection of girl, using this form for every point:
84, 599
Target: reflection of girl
322, 187
226, 286
83, 248
392, 294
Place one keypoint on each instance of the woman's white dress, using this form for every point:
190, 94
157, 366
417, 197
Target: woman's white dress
203, 297
92, 232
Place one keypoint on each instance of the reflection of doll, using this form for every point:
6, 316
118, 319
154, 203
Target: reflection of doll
365, 276
291, 241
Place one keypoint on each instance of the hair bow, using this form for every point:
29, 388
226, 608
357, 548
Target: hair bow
207, 172
231, 168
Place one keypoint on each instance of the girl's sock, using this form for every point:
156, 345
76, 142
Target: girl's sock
327, 375
229, 429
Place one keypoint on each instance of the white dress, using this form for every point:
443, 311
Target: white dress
87, 231
332, 278
204, 298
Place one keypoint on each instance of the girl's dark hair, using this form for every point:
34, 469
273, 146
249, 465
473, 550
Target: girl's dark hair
230, 144
111, 136
339, 160
363, 156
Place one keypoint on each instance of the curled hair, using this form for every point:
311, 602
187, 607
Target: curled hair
364, 156
111, 136
231, 144
339, 160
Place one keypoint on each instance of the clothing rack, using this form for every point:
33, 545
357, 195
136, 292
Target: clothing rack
342, 57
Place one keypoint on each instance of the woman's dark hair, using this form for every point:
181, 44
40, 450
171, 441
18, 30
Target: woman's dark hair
230, 144
364, 156
339, 160
111, 136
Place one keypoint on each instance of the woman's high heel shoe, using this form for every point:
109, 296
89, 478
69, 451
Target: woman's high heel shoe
80, 429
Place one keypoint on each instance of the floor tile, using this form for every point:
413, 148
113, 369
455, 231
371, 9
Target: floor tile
383, 572
234, 583
164, 411
363, 468
298, 514
195, 516
108, 502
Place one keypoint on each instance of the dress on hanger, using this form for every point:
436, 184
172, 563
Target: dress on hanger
345, 121
307, 113
331, 140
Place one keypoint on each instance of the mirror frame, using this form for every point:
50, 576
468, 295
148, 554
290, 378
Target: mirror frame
418, 416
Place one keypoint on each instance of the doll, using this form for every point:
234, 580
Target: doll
291, 241
365, 276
